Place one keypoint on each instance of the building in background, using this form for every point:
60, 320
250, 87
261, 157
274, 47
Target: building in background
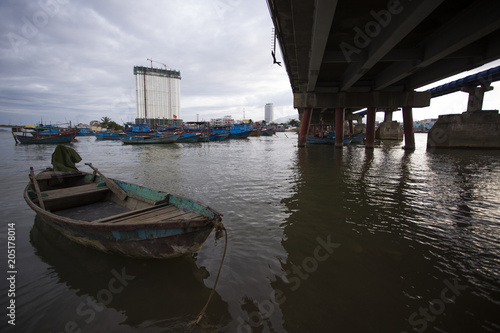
269, 113
158, 96
225, 121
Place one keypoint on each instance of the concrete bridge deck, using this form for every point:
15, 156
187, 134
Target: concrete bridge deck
344, 55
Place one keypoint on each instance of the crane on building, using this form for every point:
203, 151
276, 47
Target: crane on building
151, 60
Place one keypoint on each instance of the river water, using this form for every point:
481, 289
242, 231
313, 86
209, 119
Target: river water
320, 240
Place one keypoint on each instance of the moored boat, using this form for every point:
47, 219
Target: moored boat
189, 137
37, 135
107, 135
118, 217
141, 140
326, 140
239, 134
221, 136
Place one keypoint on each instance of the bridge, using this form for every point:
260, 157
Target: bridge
343, 55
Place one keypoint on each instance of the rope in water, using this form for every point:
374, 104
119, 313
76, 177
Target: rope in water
219, 227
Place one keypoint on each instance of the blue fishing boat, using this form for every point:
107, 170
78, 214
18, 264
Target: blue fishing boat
40, 135
189, 138
239, 134
221, 136
107, 135
268, 132
138, 129
118, 217
357, 138
326, 140
83, 131
142, 140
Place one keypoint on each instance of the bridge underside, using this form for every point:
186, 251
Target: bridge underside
344, 55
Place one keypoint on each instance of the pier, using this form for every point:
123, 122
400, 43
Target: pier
342, 57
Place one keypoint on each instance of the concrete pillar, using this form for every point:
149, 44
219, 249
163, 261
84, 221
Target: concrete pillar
351, 126
304, 127
388, 117
476, 96
408, 128
339, 127
370, 127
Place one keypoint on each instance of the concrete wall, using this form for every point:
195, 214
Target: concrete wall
472, 129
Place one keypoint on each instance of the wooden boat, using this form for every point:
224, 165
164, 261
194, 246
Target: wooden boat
239, 134
104, 135
221, 136
118, 217
36, 135
357, 138
268, 132
189, 137
326, 140
142, 140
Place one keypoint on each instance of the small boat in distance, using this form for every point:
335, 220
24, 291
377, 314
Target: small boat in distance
107, 135
118, 217
142, 140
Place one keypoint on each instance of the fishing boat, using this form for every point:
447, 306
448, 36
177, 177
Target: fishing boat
326, 140
141, 140
189, 137
83, 131
118, 217
39, 135
239, 134
220, 136
268, 132
357, 138
107, 135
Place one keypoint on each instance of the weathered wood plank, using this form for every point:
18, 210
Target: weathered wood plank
137, 213
72, 191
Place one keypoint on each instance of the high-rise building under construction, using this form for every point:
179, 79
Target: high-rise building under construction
158, 96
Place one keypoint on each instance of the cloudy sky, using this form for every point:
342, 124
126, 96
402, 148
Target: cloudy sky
69, 60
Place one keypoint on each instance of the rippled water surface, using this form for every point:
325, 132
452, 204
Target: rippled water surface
320, 240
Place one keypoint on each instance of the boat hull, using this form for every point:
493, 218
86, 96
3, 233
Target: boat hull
239, 135
142, 140
64, 137
107, 136
139, 243
187, 138
326, 140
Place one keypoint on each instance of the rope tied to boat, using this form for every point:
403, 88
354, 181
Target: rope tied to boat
220, 231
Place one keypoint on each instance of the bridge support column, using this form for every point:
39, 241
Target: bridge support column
339, 127
370, 127
304, 127
389, 130
408, 128
476, 97
351, 126
388, 116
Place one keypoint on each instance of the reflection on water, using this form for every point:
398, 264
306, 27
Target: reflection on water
114, 290
320, 239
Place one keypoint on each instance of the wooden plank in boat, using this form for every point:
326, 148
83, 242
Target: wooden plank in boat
71, 191
59, 174
181, 216
161, 216
140, 213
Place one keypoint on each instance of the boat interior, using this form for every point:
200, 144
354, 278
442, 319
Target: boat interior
87, 197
